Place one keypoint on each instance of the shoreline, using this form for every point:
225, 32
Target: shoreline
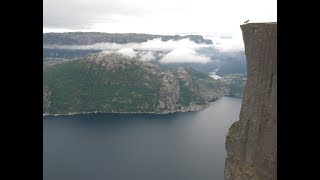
158, 113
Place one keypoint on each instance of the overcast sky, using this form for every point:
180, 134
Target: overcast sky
204, 17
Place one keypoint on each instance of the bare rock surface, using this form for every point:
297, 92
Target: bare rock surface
251, 142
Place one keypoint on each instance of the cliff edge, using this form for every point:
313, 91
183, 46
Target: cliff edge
251, 142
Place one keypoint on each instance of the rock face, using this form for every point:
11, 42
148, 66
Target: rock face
169, 91
183, 75
234, 84
251, 142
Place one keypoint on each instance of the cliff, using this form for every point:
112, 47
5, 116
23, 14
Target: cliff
251, 142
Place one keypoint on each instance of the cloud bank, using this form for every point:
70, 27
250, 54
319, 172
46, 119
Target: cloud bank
184, 55
180, 51
228, 43
153, 45
147, 56
128, 52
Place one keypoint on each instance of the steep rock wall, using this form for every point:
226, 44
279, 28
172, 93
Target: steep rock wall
251, 142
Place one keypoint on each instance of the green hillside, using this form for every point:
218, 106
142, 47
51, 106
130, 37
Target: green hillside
116, 83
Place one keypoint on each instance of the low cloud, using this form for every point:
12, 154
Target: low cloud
228, 43
233, 43
158, 44
184, 55
106, 52
128, 52
153, 45
147, 56
171, 51
180, 51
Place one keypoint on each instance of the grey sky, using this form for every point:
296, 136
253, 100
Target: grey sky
209, 18
155, 16
83, 14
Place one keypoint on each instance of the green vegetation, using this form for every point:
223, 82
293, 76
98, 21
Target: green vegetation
77, 87
116, 83
67, 53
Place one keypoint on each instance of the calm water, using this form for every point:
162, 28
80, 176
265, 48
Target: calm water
214, 76
179, 146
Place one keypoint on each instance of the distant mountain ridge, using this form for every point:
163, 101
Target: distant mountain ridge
70, 45
89, 38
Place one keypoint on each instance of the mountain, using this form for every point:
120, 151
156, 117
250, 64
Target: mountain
89, 38
112, 82
234, 84
79, 44
67, 53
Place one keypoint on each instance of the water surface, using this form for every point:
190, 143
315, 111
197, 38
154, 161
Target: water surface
178, 146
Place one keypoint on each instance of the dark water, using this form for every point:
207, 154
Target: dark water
179, 146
